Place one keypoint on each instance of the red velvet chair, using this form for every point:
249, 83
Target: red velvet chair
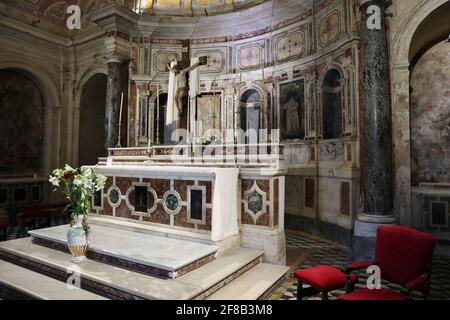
4, 229
404, 256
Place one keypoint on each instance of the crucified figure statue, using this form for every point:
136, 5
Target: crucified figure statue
182, 85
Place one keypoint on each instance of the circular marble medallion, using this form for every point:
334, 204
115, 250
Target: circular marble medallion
172, 202
114, 196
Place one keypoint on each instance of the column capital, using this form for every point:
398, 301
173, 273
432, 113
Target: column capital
117, 49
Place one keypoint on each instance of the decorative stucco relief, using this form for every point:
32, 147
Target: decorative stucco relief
215, 62
290, 46
250, 56
163, 58
330, 28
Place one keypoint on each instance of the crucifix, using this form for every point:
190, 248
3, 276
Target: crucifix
179, 86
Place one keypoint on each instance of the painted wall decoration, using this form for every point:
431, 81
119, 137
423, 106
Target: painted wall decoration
290, 46
215, 58
250, 56
330, 28
57, 10
208, 3
163, 58
430, 116
292, 109
168, 3
22, 130
208, 111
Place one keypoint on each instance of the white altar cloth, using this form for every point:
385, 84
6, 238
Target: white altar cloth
225, 204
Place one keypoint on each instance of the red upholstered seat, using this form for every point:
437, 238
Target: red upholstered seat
404, 256
323, 278
4, 225
377, 294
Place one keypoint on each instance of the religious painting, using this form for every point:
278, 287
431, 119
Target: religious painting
330, 28
208, 111
292, 109
290, 46
250, 56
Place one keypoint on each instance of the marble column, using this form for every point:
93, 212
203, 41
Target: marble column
113, 95
377, 180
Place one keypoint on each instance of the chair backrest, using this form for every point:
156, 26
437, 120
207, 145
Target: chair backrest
404, 253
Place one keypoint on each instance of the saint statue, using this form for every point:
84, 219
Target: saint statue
292, 120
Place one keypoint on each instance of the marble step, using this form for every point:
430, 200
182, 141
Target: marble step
20, 283
151, 229
256, 284
149, 254
117, 283
199, 236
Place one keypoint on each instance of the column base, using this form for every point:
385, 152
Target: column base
365, 235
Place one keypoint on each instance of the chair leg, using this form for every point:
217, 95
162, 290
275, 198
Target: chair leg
299, 291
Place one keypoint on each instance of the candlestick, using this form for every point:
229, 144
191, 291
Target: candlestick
157, 113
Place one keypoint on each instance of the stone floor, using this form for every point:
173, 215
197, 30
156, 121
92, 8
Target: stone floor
304, 251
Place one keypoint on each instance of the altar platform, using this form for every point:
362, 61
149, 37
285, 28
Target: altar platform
153, 255
237, 274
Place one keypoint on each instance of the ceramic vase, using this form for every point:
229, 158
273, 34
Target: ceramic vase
77, 240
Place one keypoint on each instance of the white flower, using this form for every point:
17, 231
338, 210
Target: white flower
54, 181
78, 181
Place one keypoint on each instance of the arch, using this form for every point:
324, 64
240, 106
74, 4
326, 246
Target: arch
22, 131
402, 40
332, 93
89, 73
42, 79
91, 119
251, 110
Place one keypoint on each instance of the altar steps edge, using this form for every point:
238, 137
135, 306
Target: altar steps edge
17, 283
116, 283
256, 284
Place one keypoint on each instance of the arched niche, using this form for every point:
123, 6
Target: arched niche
250, 110
91, 133
22, 124
332, 105
410, 39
